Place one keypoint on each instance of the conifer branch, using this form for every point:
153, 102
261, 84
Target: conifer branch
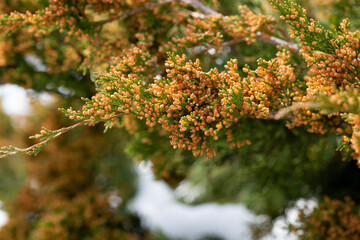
261, 36
201, 7
282, 113
276, 41
134, 11
45, 135
224, 44
208, 11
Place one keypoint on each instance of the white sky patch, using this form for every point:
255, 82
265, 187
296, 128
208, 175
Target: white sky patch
280, 228
156, 204
188, 191
212, 51
14, 100
65, 91
219, 61
3, 216
45, 98
114, 200
35, 62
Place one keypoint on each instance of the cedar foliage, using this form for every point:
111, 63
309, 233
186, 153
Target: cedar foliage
188, 81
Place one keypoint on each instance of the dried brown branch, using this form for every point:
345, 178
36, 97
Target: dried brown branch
228, 43
201, 7
285, 111
276, 41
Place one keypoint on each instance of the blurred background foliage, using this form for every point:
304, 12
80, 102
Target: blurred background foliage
64, 192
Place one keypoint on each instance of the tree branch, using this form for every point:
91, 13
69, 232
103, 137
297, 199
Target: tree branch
208, 11
201, 7
135, 11
261, 36
282, 113
276, 41
46, 136
34, 149
228, 43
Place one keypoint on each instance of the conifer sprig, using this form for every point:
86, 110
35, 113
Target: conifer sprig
46, 136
